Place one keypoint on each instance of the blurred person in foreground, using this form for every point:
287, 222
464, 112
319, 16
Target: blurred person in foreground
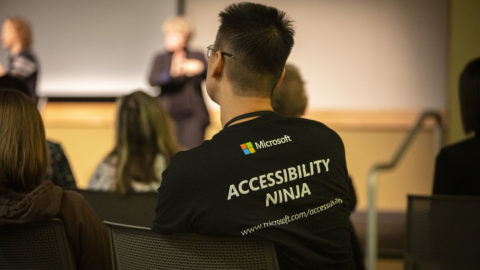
143, 148
179, 73
457, 169
27, 196
280, 179
289, 98
59, 170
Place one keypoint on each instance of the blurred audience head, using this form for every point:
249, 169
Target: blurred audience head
13, 83
142, 133
260, 39
16, 32
178, 32
469, 87
289, 98
23, 148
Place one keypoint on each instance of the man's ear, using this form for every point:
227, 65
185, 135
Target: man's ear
280, 81
218, 65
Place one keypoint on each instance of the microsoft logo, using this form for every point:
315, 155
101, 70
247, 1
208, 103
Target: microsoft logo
247, 148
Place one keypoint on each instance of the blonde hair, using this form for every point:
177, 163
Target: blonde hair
142, 133
178, 24
23, 30
23, 148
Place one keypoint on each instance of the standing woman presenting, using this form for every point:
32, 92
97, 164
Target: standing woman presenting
179, 73
22, 63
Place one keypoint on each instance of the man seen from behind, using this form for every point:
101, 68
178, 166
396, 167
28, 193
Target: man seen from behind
280, 179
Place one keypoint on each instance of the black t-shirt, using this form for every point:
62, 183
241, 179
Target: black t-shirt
456, 169
281, 179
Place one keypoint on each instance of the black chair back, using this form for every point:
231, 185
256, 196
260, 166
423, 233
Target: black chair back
443, 232
135, 209
391, 232
141, 248
36, 245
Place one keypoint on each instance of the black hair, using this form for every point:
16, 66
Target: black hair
9, 82
469, 90
260, 38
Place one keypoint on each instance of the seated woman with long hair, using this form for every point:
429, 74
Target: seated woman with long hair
143, 148
25, 193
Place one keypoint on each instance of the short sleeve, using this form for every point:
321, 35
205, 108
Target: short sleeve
176, 199
444, 181
103, 178
23, 67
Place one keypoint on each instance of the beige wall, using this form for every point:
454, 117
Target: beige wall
365, 55
86, 131
92, 48
464, 44
414, 174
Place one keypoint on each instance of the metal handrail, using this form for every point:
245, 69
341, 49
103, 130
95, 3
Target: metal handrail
372, 180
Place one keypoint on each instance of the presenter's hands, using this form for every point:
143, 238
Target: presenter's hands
2, 71
182, 66
176, 67
192, 67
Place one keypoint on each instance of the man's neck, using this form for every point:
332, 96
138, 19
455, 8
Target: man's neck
243, 105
